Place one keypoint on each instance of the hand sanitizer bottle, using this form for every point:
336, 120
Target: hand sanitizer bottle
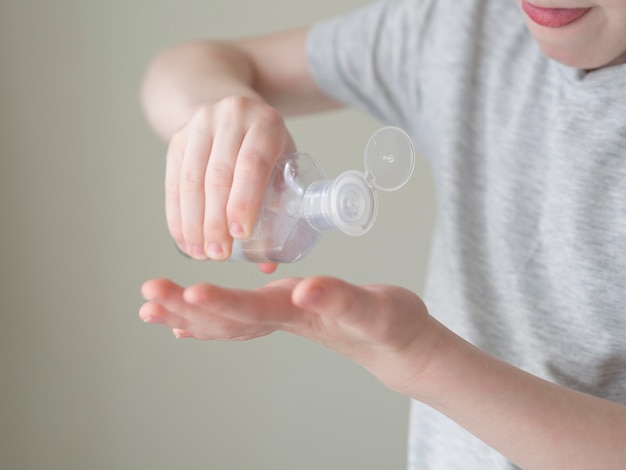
301, 203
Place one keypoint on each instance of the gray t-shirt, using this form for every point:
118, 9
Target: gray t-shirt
529, 163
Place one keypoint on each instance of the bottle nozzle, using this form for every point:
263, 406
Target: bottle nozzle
354, 205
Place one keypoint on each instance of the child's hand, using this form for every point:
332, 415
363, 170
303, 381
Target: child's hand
218, 166
386, 329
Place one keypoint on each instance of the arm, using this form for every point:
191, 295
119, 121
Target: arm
220, 106
387, 330
535, 423
270, 68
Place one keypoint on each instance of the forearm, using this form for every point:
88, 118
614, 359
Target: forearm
536, 424
272, 68
180, 79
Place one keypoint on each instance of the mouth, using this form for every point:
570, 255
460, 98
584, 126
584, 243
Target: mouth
553, 17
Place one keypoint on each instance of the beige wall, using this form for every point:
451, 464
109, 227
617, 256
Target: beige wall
84, 384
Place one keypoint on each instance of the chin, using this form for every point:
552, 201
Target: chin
574, 58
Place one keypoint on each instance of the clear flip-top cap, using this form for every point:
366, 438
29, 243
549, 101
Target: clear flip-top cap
389, 163
389, 158
353, 203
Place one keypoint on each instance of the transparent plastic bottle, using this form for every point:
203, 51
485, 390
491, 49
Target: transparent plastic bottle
301, 203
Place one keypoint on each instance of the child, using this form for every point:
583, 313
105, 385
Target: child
519, 357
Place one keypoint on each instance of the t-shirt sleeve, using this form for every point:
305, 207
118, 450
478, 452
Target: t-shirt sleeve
369, 58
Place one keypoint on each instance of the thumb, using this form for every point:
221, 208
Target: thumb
331, 295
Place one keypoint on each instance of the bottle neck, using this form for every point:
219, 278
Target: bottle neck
315, 206
347, 203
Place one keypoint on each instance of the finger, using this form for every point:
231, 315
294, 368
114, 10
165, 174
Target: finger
161, 290
264, 142
267, 306
219, 179
177, 307
179, 333
174, 159
192, 182
160, 295
267, 268
152, 312
164, 304
213, 312
191, 321
156, 313
206, 311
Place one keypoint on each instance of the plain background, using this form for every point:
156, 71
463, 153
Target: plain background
84, 384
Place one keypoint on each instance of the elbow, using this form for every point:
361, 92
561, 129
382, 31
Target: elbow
156, 91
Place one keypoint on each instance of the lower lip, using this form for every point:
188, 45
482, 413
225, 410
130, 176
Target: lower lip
553, 17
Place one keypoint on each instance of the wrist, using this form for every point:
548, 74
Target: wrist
412, 362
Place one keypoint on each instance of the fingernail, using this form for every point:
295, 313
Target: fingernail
197, 251
153, 319
180, 334
215, 251
236, 230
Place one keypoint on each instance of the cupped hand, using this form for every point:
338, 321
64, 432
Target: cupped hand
386, 329
218, 167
